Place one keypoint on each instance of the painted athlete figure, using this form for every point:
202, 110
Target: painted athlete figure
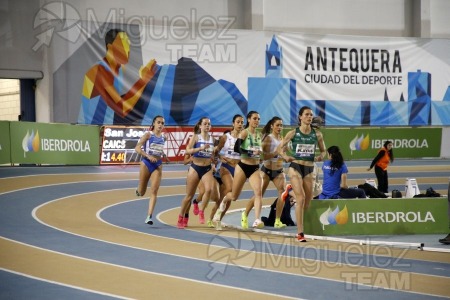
104, 100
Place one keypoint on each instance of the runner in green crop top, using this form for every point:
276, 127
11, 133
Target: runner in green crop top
304, 145
302, 157
249, 145
271, 170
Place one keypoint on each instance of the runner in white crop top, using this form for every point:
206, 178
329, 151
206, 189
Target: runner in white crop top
229, 159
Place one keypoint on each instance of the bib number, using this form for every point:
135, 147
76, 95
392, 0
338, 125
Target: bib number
304, 150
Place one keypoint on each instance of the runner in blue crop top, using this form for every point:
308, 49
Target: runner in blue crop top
151, 147
201, 148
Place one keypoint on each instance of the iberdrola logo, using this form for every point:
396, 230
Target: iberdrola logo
30, 142
333, 217
359, 143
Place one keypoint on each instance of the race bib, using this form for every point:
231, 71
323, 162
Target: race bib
155, 149
206, 152
304, 150
254, 152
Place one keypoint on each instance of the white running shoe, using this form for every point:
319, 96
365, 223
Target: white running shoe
217, 215
149, 220
258, 224
219, 226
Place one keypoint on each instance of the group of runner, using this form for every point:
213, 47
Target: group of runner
219, 169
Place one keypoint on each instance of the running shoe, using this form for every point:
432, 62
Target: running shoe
217, 215
137, 193
278, 224
219, 225
210, 224
149, 220
258, 224
180, 223
446, 240
244, 220
285, 194
201, 216
185, 221
301, 237
196, 208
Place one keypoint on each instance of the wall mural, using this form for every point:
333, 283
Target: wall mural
348, 81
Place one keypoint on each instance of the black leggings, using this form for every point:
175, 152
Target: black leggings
382, 178
352, 193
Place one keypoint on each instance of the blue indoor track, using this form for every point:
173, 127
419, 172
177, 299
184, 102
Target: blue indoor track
78, 232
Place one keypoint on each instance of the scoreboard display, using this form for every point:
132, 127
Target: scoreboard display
118, 143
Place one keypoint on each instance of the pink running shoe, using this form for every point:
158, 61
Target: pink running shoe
196, 208
180, 223
185, 221
201, 216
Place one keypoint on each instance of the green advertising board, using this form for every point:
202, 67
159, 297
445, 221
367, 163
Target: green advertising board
377, 216
42, 143
5, 146
363, 143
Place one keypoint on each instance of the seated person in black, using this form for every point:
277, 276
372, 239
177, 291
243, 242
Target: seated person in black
285, 215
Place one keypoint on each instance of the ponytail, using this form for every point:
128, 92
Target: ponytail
337, 160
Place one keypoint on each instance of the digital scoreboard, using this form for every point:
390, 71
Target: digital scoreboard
118, 143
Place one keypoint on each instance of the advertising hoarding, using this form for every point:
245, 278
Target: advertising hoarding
42, 143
